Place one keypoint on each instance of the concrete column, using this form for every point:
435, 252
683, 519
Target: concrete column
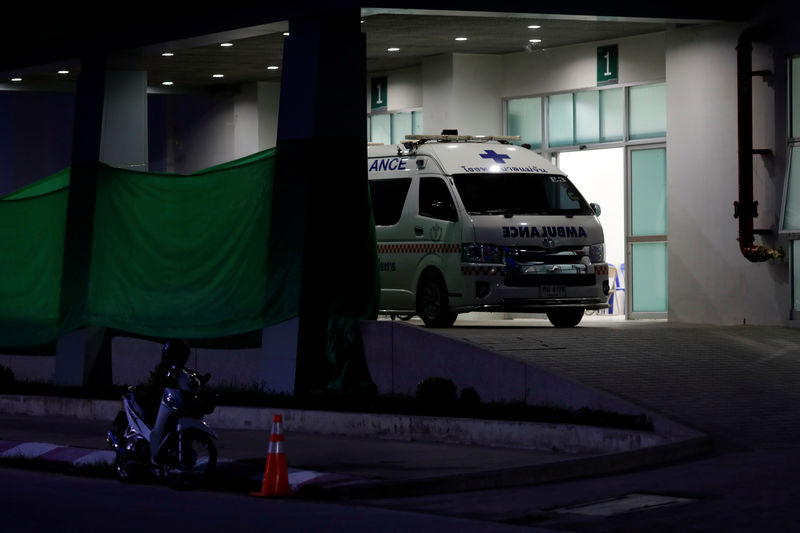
110, 126
320, 179
463, 92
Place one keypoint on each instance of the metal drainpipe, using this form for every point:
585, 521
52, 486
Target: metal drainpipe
746, 209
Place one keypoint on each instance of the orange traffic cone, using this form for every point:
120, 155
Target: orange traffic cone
276, 473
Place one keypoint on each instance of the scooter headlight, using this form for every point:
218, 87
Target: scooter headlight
172, 399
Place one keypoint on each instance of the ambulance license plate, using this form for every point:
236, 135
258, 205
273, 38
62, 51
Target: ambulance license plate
553, 291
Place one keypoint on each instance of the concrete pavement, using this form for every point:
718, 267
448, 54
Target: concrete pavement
738, 384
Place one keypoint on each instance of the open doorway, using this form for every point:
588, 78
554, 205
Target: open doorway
600, 176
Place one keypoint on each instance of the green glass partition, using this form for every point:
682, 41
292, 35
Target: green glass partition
380, 129
524, 117
649, 277
648, 192
647, 114
561, 117
401, 126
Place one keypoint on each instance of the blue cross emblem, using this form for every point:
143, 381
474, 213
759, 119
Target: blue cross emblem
498, 158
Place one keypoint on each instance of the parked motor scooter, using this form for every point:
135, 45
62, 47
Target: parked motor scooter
168, 437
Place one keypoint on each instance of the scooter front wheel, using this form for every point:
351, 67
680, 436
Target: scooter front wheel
190, 460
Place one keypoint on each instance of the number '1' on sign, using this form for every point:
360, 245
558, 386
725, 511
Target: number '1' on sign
607, 65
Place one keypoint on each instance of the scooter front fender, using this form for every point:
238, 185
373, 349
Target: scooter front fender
188, 422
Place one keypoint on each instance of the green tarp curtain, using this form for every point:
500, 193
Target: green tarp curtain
172, 255
31, 255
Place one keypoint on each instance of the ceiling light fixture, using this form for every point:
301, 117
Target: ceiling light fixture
226, 45
461, 38
166, 83
286, 34
392, 49
167, 54
16, 79
218, 75
534, 27
63, 72
272, 67
535, 40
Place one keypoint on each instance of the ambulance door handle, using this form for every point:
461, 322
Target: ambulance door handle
418, 231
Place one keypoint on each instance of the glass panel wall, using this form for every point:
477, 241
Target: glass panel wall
794, 80
401, 126
649, 277
417, 123
561, 120
796, 275
587, 117
524, 116
791, 208
380, 129
647, 114
648, 192
390, 128
612, 107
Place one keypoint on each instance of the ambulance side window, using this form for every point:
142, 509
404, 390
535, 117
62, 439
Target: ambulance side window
388, 198
435, 200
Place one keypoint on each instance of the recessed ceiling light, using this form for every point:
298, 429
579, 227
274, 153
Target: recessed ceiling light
167, 54
461, 38
16, 79
272, 67
63, 72
535, 40
218, 75
226, 45
166, 83
534, 27
393, 49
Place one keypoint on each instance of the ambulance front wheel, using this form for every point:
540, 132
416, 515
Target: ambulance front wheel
565, 318
433, 306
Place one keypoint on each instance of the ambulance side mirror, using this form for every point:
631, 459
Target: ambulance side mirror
596, 209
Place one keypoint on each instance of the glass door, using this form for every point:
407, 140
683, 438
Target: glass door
647, 231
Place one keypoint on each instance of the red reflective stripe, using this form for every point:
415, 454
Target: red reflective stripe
419, 248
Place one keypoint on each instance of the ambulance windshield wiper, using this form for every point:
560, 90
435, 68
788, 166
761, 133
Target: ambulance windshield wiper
508, 211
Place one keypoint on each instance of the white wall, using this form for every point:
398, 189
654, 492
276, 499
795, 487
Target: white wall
477, 106
569, 68
437, 89
268, 104
709, 280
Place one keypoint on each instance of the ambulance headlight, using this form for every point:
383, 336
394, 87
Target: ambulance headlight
597, 253
472, 252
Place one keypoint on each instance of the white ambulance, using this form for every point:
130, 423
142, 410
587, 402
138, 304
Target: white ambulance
467, 223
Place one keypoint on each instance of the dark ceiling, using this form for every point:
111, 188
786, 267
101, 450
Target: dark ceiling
417, 36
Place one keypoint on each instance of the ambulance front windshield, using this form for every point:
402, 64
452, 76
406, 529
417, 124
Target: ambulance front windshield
523, 194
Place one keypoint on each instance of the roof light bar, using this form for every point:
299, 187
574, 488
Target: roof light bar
453, 138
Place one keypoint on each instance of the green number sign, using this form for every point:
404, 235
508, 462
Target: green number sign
607, 65
379, 93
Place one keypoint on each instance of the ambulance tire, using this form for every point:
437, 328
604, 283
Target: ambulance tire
565, 318
433, 306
